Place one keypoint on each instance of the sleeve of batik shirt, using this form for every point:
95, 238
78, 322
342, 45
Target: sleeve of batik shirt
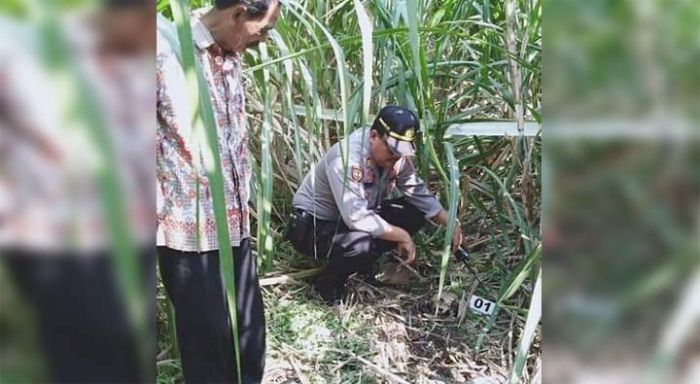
350, 198
172, 104
415, 190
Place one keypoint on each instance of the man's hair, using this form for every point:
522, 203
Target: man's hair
119, 4
254, 7
378, 127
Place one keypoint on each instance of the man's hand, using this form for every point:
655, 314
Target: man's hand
457, 238
407, 250
404, 244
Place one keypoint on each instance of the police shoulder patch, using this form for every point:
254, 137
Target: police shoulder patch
356, 173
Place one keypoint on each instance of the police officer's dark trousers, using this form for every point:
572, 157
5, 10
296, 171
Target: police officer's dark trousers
193, 283
349, 251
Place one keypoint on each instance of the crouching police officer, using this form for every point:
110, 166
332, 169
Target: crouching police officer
344, 214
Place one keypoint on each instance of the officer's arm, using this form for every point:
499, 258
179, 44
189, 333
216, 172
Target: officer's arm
396, 234
418, 194
415, 190
350, 197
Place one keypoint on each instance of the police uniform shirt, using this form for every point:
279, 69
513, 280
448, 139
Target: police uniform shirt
325, 194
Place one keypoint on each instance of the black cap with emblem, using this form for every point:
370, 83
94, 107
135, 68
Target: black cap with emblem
401, 125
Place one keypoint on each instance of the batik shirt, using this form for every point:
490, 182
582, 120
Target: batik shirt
183, 187
51, 202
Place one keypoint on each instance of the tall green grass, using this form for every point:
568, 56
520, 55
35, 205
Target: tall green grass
329, 67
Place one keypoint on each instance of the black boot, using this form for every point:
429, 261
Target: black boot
331, 288
368, 275
369, 278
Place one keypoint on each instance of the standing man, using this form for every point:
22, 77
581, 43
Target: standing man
343, 215
188, 254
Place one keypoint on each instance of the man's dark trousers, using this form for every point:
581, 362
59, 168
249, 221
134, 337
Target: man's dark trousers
82, 320
349, 251
193, 283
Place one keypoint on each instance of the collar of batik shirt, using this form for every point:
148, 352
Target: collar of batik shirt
200, 34
204, 40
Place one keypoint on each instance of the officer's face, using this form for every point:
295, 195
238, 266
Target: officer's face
382, 155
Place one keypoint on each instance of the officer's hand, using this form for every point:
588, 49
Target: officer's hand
456, 238
407, 250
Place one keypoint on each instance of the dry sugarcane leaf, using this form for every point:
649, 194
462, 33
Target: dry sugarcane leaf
396, 274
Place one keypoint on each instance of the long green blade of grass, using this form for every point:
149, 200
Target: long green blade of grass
421, 91
265, 241
515, 282
366, 29
676, 333
520, 274
533, 318
299, 11
89, 114
289, 98
452, 215
411, 14
517, 216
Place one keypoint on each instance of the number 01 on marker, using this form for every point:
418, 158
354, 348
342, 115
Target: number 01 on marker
481, 305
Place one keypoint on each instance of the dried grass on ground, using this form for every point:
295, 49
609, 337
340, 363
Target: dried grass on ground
392, 334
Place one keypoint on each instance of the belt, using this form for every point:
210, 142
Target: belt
299, 213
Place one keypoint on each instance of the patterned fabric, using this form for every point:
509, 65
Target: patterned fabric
180, 165
50, 201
